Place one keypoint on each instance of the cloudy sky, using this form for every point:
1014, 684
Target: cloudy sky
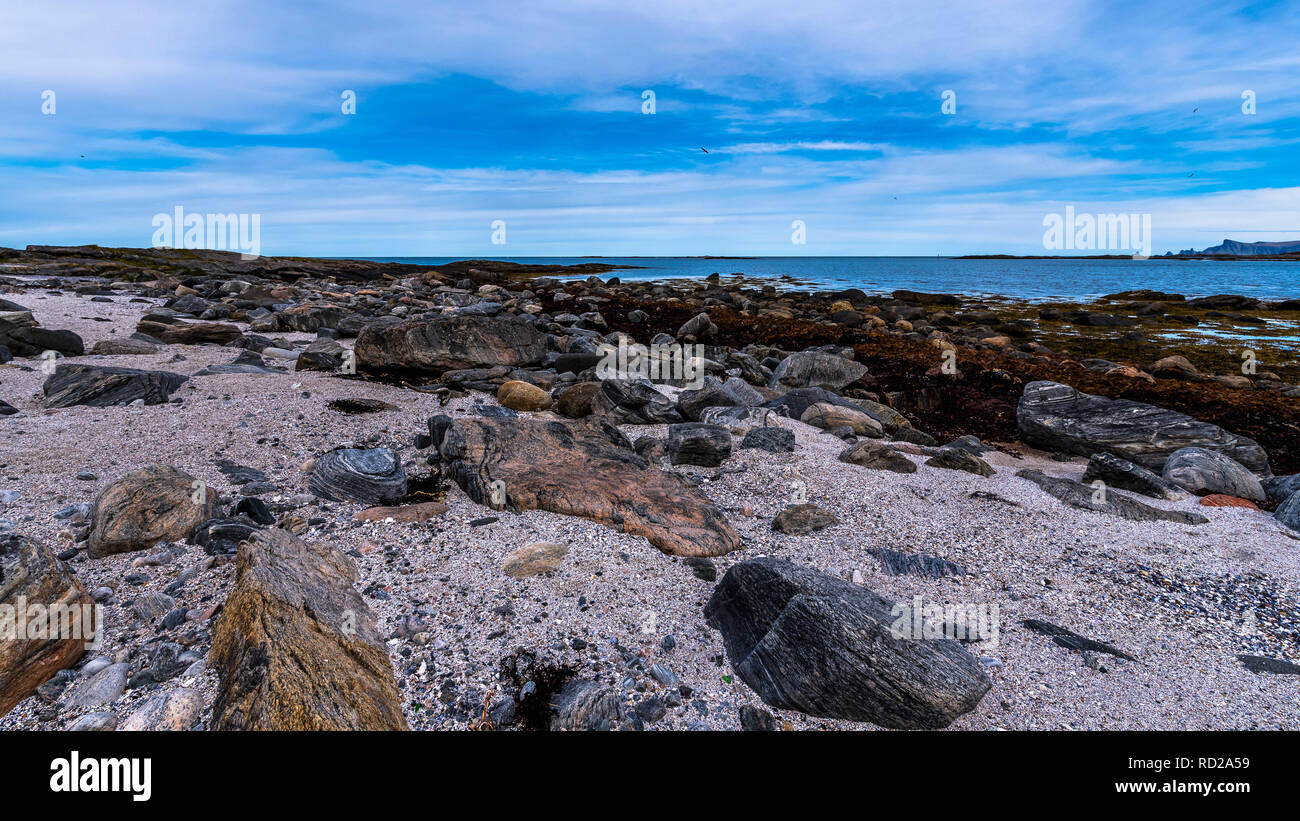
535, 114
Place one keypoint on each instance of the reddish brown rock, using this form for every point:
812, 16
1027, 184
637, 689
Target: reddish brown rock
421, 512
1224, 500
154, 504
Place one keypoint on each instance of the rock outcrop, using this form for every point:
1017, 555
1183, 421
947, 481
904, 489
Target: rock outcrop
448, 343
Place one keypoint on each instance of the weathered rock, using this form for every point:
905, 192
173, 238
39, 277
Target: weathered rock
915, 564
101, 387
321, 355
356, 406
102, 688
575, 402
1280, 488
1223, 500
122, 347
449, 343
810, 642
585, 468
1056, 417
20, 334
816, 369
532, 559
1202, 472
958, 459
1288, 513
150, 505
739, 420
54, 638
586, 704
189, 333
101, 722
633, 402
876, 456
1084, 497
296, 647
173, 710
222, 536
420, 512
695, 443
1121, 473
1175, 367
800, 520
522, 396
770, 439
829, 417
1069, 639
370, 476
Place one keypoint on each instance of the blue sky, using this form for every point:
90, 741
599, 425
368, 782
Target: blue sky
532, 113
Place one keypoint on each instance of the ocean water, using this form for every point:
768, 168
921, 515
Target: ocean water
1036, 279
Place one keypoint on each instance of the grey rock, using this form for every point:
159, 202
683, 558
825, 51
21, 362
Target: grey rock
696, 443
877, 456
585, 704
1121, 473
101, 689
1288, 513
1203, 472
816, 369
770, 439
367, 475
99, 387
1280, 488
94, 722
799, 520
633, 402
958, 459
1077, 494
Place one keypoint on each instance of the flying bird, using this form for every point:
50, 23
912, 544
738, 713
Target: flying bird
1194, 110
705, 150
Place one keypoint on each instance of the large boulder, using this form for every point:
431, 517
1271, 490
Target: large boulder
296, 647
584, 468
101, 387
816, 369
51, 640
815, 643
1204, 472
449, 343
150, 505
23, 337
1057, 417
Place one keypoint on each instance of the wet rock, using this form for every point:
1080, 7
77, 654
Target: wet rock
296, 647
695, 443
150, 505
815, 369
1085, 497
366, 475
877, 456
1201, 472
810, 642
1054, 417
30, 574
1121, 473
581, 468
800, 520
100, 387
449, 343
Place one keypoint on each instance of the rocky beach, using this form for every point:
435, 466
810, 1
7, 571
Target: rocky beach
337, 494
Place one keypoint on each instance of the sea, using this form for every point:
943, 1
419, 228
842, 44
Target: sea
1072, 280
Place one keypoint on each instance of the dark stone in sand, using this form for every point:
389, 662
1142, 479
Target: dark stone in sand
877, 456
371, 476
355, 406
222, 536
100, 387
800, 520
189, 333
1077, 494
1121, 473
954, 458
915, 564
770, 439
1072, 640
633, 402
695, 443
1264, 664
810, 642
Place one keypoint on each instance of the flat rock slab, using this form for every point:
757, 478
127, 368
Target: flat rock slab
876, 456
1121, 473
815, 643
189, 333
1085, 497
582, 468
31, 574
532, 559
448, 343
150, 505
101, 387
1072, 640
800, 520
296, 647
1264, 664
897, 563
421, 512
1057, 417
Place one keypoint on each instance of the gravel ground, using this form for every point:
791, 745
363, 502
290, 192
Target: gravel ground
1176, 597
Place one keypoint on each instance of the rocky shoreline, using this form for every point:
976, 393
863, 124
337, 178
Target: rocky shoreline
331, 494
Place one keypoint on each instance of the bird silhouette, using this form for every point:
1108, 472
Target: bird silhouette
1194, 110
705, 150
1189, 176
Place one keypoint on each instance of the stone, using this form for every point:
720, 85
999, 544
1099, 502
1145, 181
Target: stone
1202, 472
581, 468
1288, 513
815, 369
122, 347
1121, 473
367, 475
356, 406
188, 333
100, 387
959, 459
1280, 488
877, 456
633, 402
585, 704
173, 710
101, 689
1085, 497
829, 417
416, 513
533, 559
321, 355
800, 520
1222, 500
448, 343
296, 646
770, 439
147, 506
1056, 417
814, 643
575, 402
522, 396
1175, 367
696, 443
22, 336
94, 722
31, 574
222, 535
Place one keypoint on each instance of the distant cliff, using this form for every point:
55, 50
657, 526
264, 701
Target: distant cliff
1246, 249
